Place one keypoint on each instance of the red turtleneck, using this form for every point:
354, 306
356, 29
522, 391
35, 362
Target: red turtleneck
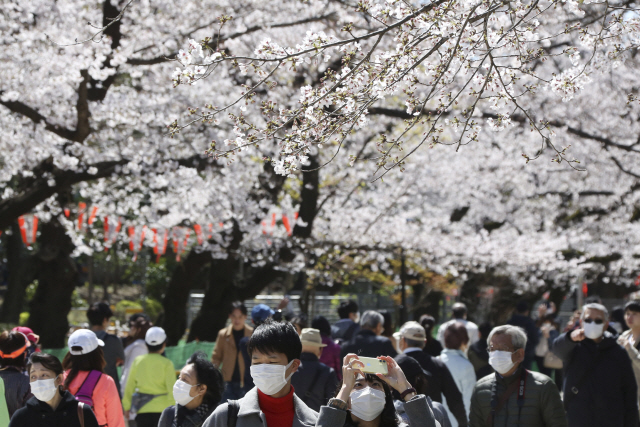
279, 412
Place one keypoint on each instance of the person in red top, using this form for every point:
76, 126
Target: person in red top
85, 355
274, 349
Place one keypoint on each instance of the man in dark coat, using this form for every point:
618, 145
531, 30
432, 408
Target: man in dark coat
440, 381
599, 385
314, 382
368, 341
521, 318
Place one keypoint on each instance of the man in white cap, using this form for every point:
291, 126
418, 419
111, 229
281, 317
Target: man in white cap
314, 382
149, 388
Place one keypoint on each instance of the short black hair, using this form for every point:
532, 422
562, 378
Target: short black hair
275, 337
208, 375
49, 361
322, 324
154, 348
98, 312
238, 305
522, 307
459, 310
633, 305
346, 308
300, 320
485, 329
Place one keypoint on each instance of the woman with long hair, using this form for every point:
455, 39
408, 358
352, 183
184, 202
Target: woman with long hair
84, 377
51, 405
432, 347
13, 361
366, 400
197, 393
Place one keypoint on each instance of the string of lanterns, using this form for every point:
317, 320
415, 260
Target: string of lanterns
113, 226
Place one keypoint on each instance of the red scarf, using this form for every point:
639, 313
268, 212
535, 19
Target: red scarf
279, 412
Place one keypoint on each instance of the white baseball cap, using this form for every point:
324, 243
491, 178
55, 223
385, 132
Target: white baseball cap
155, 336
86, 340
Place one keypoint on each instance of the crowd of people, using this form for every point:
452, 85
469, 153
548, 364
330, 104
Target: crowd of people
281, 371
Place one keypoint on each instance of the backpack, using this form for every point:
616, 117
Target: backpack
232, 412
85, 392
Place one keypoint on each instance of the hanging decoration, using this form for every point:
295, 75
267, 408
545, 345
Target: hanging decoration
82, 212
28, 228
136, 239
180, 237
112, 226
160, 239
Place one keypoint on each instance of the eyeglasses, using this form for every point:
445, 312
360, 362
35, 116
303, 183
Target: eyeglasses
597, 321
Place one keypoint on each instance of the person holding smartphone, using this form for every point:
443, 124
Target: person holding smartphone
367, 399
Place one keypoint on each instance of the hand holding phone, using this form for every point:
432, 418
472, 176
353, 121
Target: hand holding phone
371, 365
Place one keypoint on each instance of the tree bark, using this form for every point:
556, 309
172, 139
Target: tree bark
21, 274
57, 278
177, 297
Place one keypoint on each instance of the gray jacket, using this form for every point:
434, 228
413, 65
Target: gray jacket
250, 414
417, 409
439, 412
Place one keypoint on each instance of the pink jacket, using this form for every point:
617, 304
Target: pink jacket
106, 401
331, 356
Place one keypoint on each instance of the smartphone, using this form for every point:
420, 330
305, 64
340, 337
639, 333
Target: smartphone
373, 365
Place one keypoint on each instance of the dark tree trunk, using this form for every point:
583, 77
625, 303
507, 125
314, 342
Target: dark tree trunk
57, 278
177, 297
309, 198
21, 273
223, 291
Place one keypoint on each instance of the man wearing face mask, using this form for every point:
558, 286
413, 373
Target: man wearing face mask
514, 396
599, 385
274, 349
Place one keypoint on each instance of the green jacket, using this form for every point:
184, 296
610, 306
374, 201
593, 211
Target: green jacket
542, 405
151, 374
4, 411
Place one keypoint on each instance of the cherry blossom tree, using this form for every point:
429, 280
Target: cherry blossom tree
333, 117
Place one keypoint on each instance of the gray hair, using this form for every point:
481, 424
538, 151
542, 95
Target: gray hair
370, 319
595, 306
517, 334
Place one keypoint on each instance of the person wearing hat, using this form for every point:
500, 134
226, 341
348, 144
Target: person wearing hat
84, 378
314, 382
13, 360
227, 356
33, 339
149, 388
259, 314
412, 341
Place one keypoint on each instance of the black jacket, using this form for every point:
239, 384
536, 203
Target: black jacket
607, 397
440, 382
533, 336
40, 414
187, 418
314, 382
367, 344
479, 358
248, 380
17, 390
433, 347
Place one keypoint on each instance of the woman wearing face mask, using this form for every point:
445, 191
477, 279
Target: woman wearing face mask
197, 393
366, 400
51, 405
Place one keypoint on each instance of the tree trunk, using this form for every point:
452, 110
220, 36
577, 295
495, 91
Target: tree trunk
21, 274
177, 297
57, 278
222, 291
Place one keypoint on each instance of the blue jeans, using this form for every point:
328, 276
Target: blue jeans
232, 390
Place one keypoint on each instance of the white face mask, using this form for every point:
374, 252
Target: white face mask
367, 403
592, 330
44, 390
181, 392
501, 361
269, 378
